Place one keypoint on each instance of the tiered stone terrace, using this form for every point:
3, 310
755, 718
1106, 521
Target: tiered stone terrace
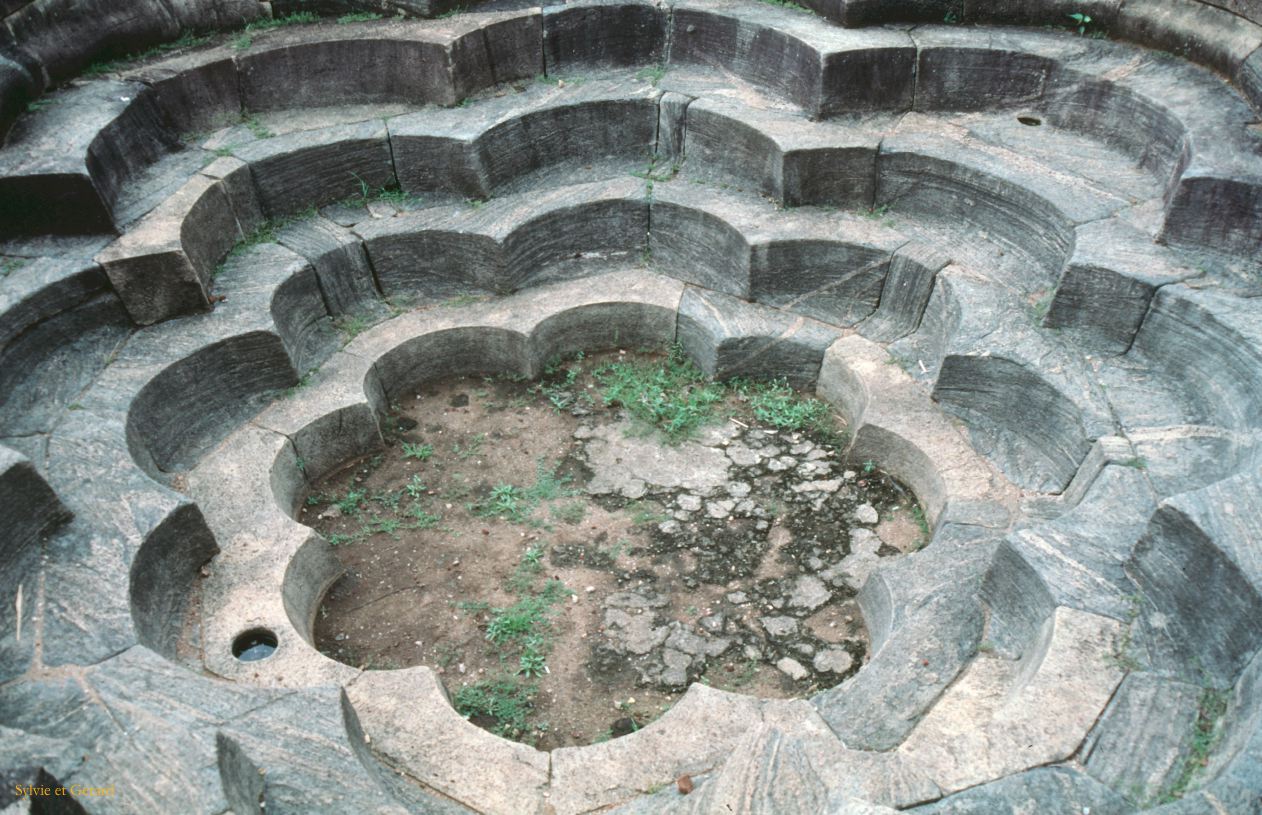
1021, 263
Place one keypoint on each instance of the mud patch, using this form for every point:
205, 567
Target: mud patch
568, 572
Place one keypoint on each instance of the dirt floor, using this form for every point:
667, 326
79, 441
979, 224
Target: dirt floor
569, 571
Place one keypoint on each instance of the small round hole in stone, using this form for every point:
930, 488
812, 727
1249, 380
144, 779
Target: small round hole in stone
254, 645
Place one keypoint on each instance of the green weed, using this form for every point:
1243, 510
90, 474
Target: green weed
349, 504
187, 39
652, 74
1205, 734
358, 17
505, 701
420, 452
351, 325
473, 448
777, 404
10, 265
671, 395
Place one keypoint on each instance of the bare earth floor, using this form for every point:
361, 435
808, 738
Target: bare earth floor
569, 571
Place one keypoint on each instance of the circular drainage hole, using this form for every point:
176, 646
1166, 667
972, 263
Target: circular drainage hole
1030, 121
570, 554
254, 645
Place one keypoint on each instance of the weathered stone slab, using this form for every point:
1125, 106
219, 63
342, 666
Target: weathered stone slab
1197, 31
63, 167
1210, 343
893, 422
341, 266
823, 71
694, 736
903, 298
1199, 581
728, 337
33, 511
1108, 284
1004, 717
412, 725
603, 32
1141, 742
925, 621
1030, 792
163, 265
319, 167
510, 242
196, 92
786, 156
1081, 554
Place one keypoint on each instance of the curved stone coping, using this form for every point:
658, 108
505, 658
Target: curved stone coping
744, 247
1209, 628
510, 242
1221, 175
1210, 342
59, 323
120, 572
118, 127
271, 571
487, 147
180, 383
254, 479
1031, 402
323, 166
893, 422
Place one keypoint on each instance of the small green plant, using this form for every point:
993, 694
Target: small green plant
951, 18
351, 325
384, 526
504, 701
505, 501
420, 452
414, 488
869, 467
527, 619
188, 39
876, 213
1205, 734
652, 74
671, 395
421, 518
532, 663
349, 504
256, 127
452, 13
777, 404
473, 448
1081, 20
358, 17
918, 515
10, 265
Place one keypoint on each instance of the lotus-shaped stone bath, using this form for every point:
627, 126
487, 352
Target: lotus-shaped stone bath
1010, 254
